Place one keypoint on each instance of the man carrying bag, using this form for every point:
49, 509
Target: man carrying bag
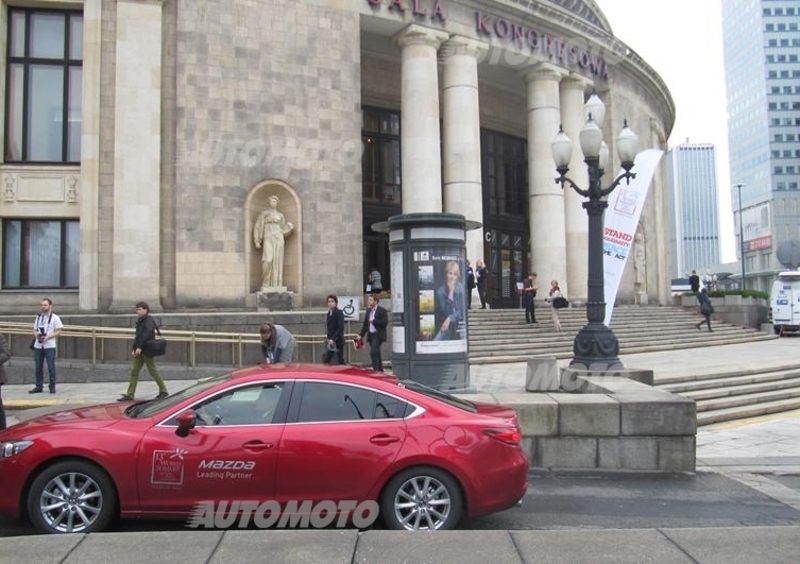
145, 331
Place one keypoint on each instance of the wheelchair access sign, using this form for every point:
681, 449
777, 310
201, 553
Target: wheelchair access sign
350, 306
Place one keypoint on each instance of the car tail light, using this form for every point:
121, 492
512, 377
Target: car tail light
508, 435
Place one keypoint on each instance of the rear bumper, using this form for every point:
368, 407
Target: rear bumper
501, 488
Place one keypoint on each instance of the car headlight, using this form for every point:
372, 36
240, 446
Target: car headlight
13, 448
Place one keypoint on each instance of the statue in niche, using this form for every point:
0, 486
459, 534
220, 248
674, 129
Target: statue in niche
639, 265
269, 234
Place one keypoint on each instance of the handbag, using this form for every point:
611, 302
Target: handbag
33, 342
560, 302
157, 346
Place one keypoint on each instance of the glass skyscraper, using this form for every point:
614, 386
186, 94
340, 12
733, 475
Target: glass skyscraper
694, 222
761, 45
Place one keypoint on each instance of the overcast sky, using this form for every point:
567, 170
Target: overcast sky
682, 41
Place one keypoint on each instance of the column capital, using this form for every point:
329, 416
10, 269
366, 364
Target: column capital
461, 45
543, 71
415, 34
576, 81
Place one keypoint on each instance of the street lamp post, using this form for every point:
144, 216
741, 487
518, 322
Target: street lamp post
741, 232
595, 345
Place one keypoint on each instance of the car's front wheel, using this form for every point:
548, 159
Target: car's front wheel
422, 498
72, 496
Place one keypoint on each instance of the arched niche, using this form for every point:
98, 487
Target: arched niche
289, 205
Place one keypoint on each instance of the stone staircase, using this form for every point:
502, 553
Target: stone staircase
498, 336
740, 394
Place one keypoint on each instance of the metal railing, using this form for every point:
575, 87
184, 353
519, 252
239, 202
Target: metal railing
239, 343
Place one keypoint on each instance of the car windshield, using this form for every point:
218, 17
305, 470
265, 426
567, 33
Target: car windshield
441, 396
150, 408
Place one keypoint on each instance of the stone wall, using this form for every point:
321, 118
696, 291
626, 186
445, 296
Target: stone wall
615, 424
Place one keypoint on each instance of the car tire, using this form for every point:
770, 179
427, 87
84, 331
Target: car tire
72, 496
777, 329
422, 498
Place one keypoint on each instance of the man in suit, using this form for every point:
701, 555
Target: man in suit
374, 328
334, 326
694, 282
530, 296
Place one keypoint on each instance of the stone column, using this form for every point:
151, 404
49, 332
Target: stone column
577, 222
545, 197
90, 158
137, 155
462, 136
420, 144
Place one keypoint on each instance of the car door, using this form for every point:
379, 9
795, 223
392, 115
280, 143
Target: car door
337, 441
230, 455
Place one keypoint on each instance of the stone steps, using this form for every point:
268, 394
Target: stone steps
710, 417
739, 394
501, 336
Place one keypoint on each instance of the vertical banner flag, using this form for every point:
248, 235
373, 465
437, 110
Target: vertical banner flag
621, 219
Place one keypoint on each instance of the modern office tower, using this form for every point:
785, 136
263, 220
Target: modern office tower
761, 45
694, 222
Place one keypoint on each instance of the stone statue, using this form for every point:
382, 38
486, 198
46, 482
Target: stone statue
268, 235
639, 265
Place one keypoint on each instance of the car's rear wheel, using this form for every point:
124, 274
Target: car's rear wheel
777, 329
422, 498
72, 496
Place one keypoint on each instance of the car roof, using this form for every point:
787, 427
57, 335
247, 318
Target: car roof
294, 370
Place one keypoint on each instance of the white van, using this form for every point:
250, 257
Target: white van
784, 311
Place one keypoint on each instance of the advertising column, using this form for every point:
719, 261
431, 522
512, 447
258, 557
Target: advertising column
429, 300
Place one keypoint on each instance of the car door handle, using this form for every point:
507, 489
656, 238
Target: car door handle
383, 439
257, 445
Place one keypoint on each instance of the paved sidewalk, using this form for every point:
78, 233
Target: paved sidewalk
765, 545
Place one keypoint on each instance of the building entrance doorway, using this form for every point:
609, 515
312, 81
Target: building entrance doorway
506, 263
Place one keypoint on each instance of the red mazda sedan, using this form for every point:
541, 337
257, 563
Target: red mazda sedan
282, 434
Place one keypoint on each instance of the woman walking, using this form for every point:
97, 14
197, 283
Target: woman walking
555, 292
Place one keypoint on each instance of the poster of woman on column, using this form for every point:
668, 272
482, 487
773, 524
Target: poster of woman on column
442, 304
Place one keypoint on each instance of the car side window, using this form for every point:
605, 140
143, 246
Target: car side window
340, 402
335, 402
249, 405
387, 407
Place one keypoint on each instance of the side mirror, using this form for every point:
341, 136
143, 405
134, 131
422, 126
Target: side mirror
186, 422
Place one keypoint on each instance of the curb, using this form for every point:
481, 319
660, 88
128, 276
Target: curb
32, 404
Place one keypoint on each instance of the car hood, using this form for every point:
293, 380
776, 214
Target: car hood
495, 410
94, 417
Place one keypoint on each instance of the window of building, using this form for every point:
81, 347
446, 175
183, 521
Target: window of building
380, 165
505, 173
40, 253
43, 91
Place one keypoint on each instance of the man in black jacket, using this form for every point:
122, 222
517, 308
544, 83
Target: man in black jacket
694, 282
145, 331
530, 298
334, 325
374, 328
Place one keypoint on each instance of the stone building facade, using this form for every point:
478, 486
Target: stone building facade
179, 118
